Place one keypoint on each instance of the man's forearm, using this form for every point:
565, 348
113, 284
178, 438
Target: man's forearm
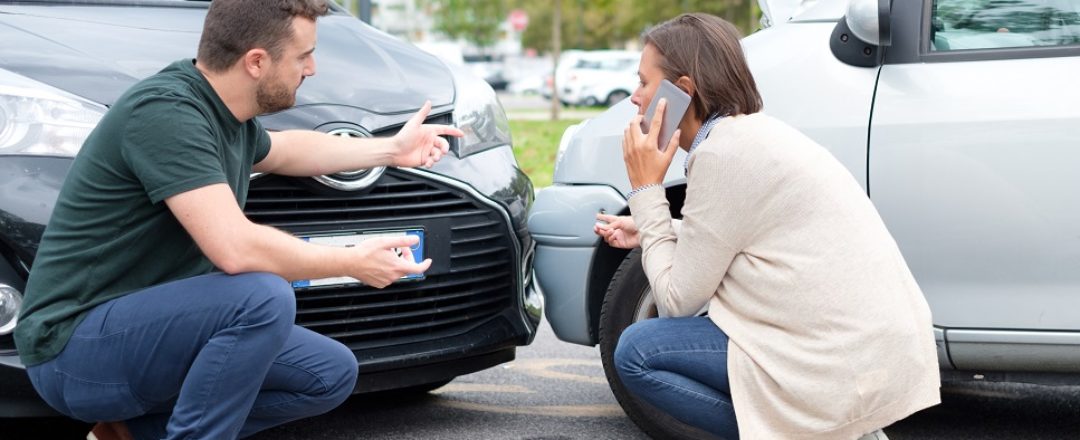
311, 153
266, 249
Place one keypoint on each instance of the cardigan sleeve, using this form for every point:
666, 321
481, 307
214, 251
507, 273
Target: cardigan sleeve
686, 270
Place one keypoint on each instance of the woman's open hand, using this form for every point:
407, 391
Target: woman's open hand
619, 231
645, 163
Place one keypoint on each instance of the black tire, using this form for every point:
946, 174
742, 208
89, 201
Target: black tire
626, 302
615, 97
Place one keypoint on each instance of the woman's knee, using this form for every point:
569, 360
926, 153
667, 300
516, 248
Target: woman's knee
628, 358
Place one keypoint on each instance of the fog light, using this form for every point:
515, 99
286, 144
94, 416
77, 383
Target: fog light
10, 302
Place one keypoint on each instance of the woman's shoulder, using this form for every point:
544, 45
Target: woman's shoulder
753, 132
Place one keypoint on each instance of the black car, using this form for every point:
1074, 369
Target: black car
62, 63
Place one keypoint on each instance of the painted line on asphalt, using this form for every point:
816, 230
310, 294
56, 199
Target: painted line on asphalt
542, 368
545, 368
480, 388
601, 410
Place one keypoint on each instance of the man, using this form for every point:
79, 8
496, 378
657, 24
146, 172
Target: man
125, 321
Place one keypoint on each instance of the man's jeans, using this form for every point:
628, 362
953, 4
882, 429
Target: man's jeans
209, 357
679, 365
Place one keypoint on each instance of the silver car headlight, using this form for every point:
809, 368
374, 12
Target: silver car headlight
36, 118
478, 113
10, 302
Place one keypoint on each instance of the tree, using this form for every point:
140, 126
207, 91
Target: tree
475, 21
603, 24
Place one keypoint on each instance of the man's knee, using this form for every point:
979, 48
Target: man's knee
269, 293
342, 380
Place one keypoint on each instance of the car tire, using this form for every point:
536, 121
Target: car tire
628, 300
615, 97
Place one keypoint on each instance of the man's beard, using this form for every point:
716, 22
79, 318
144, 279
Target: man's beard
274, 96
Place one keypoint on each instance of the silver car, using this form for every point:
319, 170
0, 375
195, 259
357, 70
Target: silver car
958, 117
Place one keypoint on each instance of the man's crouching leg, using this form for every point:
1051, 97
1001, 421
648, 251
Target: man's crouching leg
195, 350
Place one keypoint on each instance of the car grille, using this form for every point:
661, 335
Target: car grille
478, 283
7, 344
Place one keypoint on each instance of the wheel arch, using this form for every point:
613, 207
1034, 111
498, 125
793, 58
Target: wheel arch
606, 261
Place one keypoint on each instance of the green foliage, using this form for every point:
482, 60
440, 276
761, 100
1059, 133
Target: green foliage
535, 146
476, 21
604, 24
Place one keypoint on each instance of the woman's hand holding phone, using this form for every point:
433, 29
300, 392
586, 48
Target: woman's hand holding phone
645, 164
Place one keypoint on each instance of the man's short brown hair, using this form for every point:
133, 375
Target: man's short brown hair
234, 27
706, 49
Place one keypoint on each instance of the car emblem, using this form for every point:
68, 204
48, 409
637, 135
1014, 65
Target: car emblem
351, 180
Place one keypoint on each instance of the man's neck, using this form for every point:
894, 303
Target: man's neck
234, 89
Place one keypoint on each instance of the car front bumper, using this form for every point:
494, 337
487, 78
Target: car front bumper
561, 222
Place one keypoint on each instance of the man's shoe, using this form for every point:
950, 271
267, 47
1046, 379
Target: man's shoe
111, 431
876, 435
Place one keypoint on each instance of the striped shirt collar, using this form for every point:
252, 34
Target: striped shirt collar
702, 133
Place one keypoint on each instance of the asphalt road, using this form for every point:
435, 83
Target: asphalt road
556, 391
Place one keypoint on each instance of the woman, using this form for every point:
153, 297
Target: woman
816, 328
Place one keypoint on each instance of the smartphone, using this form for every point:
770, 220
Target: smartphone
677, 103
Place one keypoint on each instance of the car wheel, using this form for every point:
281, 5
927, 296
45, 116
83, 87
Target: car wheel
616, 97
628, 300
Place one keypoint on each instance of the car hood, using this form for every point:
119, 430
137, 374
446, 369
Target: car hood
781, 11
99, 51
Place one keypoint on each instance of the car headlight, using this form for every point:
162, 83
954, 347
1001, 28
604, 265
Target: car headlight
36, 118
10, 302
478, 113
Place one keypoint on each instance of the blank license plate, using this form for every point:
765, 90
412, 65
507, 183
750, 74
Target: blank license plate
350, 240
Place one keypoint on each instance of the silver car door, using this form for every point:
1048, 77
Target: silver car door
974, 154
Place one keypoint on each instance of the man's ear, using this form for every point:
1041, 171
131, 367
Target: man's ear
686, 84
256, 62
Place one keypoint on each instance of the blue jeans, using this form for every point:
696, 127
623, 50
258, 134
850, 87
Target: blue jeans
679, 365
214, 357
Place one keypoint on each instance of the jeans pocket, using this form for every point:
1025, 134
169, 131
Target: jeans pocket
93, 379
91, 401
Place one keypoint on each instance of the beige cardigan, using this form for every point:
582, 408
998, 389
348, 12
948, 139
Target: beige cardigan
830, 336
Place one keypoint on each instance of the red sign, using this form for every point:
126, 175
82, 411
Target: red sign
518, 19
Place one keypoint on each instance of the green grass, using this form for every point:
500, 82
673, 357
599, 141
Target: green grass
535, 146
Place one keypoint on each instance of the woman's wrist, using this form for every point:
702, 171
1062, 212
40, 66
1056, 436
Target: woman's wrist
636, 190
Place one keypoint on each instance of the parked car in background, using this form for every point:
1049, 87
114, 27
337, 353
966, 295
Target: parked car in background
602, 81
579, 68
958, 117
63, 63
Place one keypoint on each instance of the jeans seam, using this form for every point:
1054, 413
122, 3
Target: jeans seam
649, 369
685, 390
217, 377
325, 386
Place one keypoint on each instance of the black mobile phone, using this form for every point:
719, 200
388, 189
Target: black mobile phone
677, 103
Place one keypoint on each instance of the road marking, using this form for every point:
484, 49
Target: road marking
601, 410
480, 388
545, 368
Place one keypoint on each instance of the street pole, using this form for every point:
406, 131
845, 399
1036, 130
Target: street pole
556, 51
365, 11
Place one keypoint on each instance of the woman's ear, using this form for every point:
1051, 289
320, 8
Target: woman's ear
686, 84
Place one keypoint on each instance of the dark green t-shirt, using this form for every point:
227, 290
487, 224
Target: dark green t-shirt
111, 232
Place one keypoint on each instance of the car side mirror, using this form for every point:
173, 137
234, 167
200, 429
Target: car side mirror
860, 37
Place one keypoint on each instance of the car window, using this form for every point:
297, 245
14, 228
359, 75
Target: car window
994, 24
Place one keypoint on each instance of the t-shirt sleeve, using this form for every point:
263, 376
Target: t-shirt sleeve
170, 148
262, 143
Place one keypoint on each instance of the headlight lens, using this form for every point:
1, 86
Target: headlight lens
478, 113
38, 119
10, 302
